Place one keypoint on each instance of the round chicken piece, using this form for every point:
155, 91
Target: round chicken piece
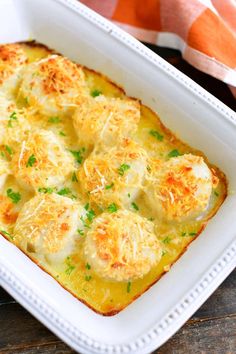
114, 176
47, 226
12, 60
122, 246
53, 85
106, 120
42, 161
180, 189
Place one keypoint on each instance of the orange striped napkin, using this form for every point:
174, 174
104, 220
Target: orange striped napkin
204, 30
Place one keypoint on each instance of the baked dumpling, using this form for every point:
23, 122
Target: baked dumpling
122, 246
114, 176
47, 226
12, 60
181, 188
53, 85
42, 161
106, 120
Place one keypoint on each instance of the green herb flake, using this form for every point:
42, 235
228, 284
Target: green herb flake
134, 205
78, 155
163, 253
54, 120
95, 93
3, 155
70, 266
192, 233
128, 195
5, 233
31, 161
88, 277
88, 266
86, 207
14, 196
112, 208
174, 153
166, 240
81, 232
156, 134
84, 222
13, 117
74, 177
90, 215
46, 190
216, 193
9, 150
62, 133
124, 167
109, 186
128, 289
64, 191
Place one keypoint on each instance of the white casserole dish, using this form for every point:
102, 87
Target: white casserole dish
197, 117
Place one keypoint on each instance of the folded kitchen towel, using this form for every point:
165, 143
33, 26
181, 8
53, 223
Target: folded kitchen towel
204, 30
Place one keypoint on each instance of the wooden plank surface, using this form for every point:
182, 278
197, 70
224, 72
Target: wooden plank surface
211, 330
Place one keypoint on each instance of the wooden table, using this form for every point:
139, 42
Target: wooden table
211, 330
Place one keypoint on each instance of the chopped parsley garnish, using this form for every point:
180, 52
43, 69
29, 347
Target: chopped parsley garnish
81, 232
156, 134
74, 177
54, 120
12, 117
31, 161
187, 234
134, 205
90, 215
174, 153
84, 222
216, 193
148, 168
86, 207
151, 219
9, 150
128, 195
14, 196
88, 266
78, 155
64, 191
163, 253
166, 240
3, 155
124, 167
112, 208
5, 233
46, 190
192, 233
128, 289
95, 93
70, 266
62, 134
88, 277
109, 186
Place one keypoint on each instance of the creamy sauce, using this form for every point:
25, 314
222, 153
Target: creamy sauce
75, 274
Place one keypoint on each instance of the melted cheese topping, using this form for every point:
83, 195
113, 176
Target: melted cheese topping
106, 120
4, 171
12, 59
114, 176
180, 188
53, 85
122, 246
47, 225
42, 161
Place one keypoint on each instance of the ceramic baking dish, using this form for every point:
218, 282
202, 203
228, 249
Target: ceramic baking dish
195, 116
